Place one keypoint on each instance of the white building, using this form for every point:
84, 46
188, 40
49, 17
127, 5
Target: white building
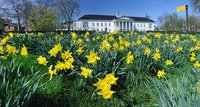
113, 23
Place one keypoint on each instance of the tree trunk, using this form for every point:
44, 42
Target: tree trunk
69, 26
18, 22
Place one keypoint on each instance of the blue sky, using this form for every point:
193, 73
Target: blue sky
140, 8
153, 8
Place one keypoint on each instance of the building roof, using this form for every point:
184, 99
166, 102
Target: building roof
110, 17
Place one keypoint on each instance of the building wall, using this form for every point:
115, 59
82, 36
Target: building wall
94, 25
109, 25
10, 28
144, 26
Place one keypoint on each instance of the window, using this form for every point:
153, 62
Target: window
97, 29
128, 26
131, 26
109, 24
105, 24
93, 24
140, 25
97, 24
150, 25
101, 24
144, 25
137, 25
85, 24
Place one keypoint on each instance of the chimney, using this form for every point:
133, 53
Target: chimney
117, 14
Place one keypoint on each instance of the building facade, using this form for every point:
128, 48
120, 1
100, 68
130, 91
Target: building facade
110, 23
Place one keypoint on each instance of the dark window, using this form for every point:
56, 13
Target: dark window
85, 24
117, 24
150, 25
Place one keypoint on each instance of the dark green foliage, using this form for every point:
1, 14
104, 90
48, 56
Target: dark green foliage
16, 88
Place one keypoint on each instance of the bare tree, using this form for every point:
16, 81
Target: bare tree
68, 9
15, 6
171, 22
196, 5
194, 23
26, 8
46, 3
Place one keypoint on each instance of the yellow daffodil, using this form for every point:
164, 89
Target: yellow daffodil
106, 94
80, 50
1, 49
111, 38
92, 57
196, 64
87, 34
98, 37
127, 44
55, 50
102, 84
192, 57
74, 35
11, 49
42, 60
61, 33
157, 50
158, 35
24, 51
156, 56
161, 73
52, 72
121, 48
79, 42
105, 45
115, 46
66, 55
68, 63
179, 49
129, 58
4, 40
169, 62
60, 66
111, 79
11, 34
147, 51
3, 57
138, 42
86, 72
